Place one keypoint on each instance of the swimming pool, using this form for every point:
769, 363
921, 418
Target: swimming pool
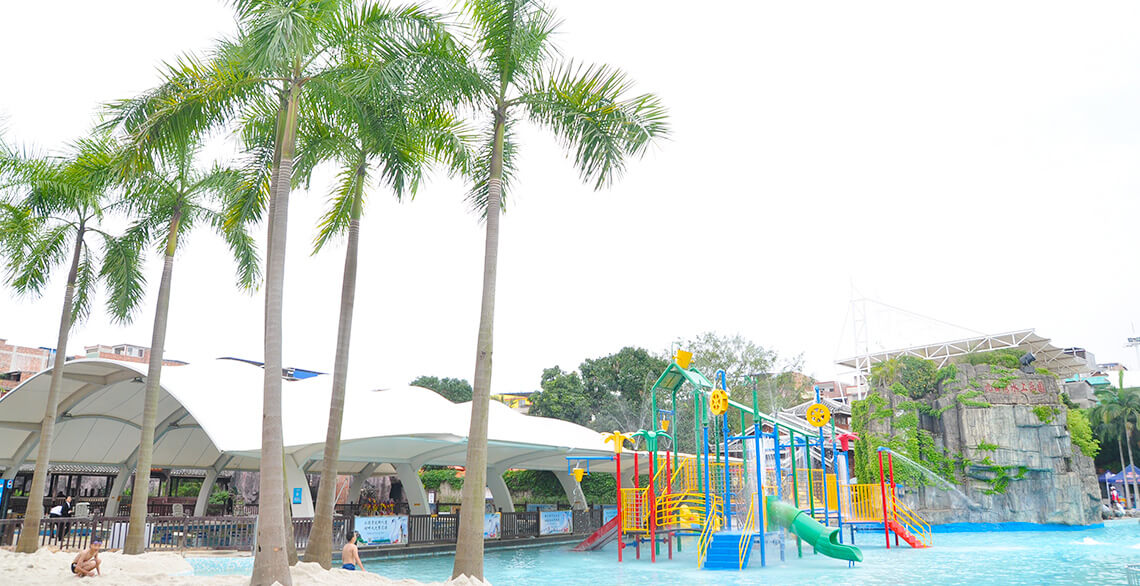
1023, 557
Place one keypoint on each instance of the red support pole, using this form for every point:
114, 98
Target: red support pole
883, 491
652, 521
894, 492
640, 502
621, 519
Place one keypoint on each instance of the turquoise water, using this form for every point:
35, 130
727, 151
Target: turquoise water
1023, 557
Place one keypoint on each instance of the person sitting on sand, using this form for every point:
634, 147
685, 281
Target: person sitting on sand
87, 562
350, 555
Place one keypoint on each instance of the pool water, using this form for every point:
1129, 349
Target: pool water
1097, 555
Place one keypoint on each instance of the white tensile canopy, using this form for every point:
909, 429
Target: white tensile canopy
209, 418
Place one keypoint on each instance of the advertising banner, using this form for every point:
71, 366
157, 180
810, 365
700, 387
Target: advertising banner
386, 530
531, 507
492, 523
608, 512
555, 523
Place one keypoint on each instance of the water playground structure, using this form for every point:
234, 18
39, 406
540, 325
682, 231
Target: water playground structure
779, 475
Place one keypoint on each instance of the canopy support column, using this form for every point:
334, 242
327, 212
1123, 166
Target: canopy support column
21, 455
499, 491
295, 480
358, 481
117, 487
208, 485
573, 490
413, 489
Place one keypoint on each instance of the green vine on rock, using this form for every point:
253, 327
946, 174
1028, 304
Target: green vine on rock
1046, 413
966, 399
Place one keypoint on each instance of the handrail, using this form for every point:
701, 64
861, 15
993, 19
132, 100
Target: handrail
916, 525
706, 538
748, 530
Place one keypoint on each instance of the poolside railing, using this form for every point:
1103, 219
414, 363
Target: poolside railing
238, 533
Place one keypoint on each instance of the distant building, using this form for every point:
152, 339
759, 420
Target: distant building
125, 353
18, 363
837, 391
518, 401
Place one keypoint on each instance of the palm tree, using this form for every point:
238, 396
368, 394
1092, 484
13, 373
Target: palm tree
1107, 428
1121, 407
397, 134
589, 110
170, 198
62, 203
284, 48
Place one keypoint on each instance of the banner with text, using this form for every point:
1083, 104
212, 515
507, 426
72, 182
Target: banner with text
555, 522
391, 529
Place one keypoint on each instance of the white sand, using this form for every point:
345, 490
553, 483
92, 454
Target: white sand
48, 568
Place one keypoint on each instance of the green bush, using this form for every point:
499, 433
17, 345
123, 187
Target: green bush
1046, 413
432, 479
1081, 432
1005, 358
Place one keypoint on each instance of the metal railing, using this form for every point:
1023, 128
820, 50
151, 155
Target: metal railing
712, 526
915, 525
238, 533
747, 531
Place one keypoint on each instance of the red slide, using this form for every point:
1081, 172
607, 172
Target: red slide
905, 535
602, 536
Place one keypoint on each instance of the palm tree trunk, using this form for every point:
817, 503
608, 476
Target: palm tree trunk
469, 547
1128, 443
320, 539
271, 563
136, 533
1120, 450
30, 532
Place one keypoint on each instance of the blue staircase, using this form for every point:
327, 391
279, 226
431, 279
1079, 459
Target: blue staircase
724, 551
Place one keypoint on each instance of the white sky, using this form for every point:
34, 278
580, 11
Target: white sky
971, 161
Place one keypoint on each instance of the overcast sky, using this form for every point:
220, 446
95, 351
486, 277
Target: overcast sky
975, 162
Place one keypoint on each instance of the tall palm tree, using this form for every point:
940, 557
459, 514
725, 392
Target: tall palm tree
1121, 407
284, 48
590, 110
392, 132
1107, 428
170, 198
61, 203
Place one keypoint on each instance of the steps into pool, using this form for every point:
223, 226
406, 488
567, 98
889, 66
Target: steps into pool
724, 551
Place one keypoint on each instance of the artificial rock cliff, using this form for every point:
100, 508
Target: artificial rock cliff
1020, 464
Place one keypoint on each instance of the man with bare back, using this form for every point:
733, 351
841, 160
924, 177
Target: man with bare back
87, 562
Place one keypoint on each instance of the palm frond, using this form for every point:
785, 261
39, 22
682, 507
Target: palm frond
334, 222
85, 282
122, 272
44, 247
512, 36
587, 108
479, 168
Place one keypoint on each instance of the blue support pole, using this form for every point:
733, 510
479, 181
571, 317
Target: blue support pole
759, 491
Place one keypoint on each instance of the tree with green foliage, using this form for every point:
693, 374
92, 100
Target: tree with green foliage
591, 110
562, 397
284, 50
456, 390
170, 197
385, 131
51, 205
617, 388
1119, 409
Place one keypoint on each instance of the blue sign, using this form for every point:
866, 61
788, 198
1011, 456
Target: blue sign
555, 523
386, 530
608, 513
296, 496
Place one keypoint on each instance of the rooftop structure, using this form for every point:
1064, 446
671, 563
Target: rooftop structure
209, 418
1063, 362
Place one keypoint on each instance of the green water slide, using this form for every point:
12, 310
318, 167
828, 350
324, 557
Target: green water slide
825, 540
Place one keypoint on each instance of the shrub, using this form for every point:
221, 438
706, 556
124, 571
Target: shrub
1081, 433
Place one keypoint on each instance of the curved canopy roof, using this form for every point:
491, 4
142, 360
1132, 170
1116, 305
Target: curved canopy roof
209, 414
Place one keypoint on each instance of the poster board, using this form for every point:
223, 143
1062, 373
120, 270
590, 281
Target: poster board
385, 530
555, 523
492, 526
608, 513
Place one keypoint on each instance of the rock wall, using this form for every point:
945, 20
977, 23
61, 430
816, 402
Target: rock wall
1019, 464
